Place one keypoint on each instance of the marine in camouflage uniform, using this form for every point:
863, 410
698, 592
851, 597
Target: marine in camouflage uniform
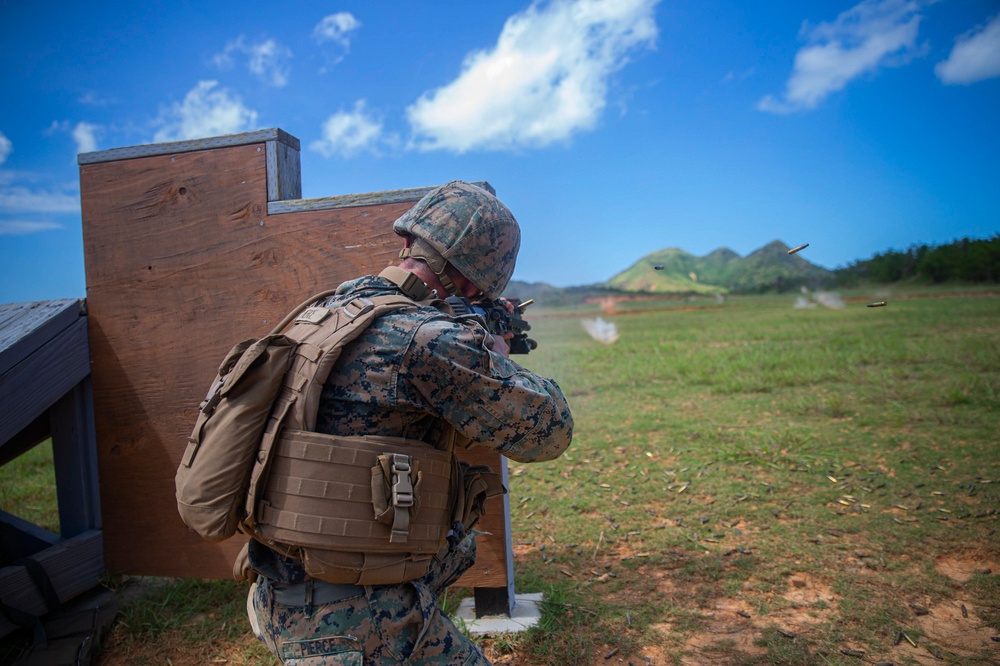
415, 373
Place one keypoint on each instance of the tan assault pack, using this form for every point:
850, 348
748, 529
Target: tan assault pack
363, 510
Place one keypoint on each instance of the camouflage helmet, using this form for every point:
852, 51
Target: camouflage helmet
465, 226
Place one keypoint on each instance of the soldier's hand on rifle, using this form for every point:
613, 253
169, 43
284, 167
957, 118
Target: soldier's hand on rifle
507, 304
500, 345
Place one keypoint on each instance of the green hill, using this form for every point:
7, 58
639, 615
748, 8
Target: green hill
674, 271
680, 273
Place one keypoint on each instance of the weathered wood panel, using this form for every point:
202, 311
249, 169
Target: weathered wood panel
26, 327
183, 260
261, 137
43, 376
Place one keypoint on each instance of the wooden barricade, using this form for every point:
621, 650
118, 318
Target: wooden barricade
189, 248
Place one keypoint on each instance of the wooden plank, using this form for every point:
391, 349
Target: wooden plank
74, 454
284, 180
74, 566
25, 327
175, 147
38, 381
21, 538
410, 196
179, 268
185, 257
27, 438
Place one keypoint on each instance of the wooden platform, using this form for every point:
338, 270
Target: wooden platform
189, 248
45, 392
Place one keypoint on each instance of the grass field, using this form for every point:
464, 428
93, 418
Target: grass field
749, 483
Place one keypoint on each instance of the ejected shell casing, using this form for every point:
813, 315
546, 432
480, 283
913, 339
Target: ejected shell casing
878, 304
799, 248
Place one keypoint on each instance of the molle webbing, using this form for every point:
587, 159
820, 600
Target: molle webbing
323, 492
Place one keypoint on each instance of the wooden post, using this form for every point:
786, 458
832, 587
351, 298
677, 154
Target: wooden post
189, 248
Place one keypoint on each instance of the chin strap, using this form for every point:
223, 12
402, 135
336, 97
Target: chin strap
417, 248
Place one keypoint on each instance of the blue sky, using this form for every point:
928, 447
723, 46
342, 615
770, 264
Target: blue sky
611, 128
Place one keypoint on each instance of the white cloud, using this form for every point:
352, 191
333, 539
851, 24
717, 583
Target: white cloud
91, 98
546, 78
267, 60
21, 199
206, 111
6, 148
349, 132
25, 227
861, 40
18, 198
85, 136
975, 56
336, 28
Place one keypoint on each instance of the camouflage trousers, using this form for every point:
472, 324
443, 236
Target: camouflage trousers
386, 625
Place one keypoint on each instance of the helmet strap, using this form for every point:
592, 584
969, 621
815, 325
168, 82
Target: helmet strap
418, 249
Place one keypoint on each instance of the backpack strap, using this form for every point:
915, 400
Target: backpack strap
319, 334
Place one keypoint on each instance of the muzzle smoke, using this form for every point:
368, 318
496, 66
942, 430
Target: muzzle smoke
600, 330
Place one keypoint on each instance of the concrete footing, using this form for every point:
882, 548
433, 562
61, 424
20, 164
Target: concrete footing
526, 614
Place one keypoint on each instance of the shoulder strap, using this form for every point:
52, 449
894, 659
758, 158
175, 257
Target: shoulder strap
415, 288
300, 307
409, 284
318, 334
321, 333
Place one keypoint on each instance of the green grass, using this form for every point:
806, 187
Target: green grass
205, 621
28, 487
736, 446
825, 472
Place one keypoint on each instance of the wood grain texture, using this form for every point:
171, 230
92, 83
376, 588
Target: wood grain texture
183, 260
26, 327
39, 379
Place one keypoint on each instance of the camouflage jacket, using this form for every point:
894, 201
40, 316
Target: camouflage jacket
416, 370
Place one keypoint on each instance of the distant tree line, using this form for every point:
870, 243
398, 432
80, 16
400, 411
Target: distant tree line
964, 260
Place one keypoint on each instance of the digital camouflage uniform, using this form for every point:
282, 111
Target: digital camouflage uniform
412, 374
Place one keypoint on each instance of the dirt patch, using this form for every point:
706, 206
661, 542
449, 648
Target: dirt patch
961, 567
729, 627
733, 626
238, 652
945, 629
807, 590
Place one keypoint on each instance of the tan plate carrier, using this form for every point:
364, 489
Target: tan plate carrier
361, 509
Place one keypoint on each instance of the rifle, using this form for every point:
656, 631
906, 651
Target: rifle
498, 321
